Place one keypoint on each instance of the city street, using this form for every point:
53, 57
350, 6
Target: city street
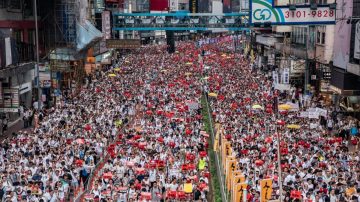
180, 100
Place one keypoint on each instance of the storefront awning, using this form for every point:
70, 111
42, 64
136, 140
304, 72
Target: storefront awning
65, 54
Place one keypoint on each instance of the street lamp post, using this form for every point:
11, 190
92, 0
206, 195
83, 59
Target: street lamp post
37, 55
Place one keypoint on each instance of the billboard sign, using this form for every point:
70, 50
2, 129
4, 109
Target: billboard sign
342, 34
226, 6
263, 11
123, 43
106, 25
99, 6
159, 5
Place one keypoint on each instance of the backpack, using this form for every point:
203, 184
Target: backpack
83, 172
354, 131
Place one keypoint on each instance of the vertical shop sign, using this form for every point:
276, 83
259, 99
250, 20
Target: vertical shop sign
106, 26
286, 74
357, 41
193, 6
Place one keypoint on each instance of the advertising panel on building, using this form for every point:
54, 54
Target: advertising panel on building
342, 35
99, 6
227, 6
159, 5
106, 26
357, 41
123, 43
235, 6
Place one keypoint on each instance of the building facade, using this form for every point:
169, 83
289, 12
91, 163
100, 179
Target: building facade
17, 55
346, 69
304, 51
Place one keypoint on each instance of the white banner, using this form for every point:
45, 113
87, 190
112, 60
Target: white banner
286, 75
146, 21
357, 41
322, 112
8, 51
304, 114
7, 110
280, 86
313, 115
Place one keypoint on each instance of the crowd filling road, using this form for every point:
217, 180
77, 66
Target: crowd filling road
135, 132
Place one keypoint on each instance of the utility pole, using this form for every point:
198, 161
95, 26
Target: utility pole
309, 45
37, 56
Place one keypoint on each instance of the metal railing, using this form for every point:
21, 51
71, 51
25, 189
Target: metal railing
217, 160
20, 52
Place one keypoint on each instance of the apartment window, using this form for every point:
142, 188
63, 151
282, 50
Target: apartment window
31, 36
182, 6
2, 3
320, 35
322, 1
298, 35
18, 35
14, 4
299, 1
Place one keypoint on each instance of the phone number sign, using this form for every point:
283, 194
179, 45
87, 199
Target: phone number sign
264, 11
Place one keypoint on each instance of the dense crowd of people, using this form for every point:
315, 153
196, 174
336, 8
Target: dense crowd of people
319, 156
49, 162
161, 154
135, 133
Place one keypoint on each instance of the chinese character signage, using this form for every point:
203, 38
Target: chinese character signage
265, 11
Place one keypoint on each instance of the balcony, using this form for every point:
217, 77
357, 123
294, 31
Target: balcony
18, 57
296, 50
26, 52
269, 41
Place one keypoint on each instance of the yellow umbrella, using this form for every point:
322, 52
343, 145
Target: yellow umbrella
112, 75
212, 94
118, 123
257, 107
223, 55
187, 74
189, 63
285, 107
293, 126
117, 69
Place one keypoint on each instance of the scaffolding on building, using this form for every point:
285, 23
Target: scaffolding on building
63, 57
